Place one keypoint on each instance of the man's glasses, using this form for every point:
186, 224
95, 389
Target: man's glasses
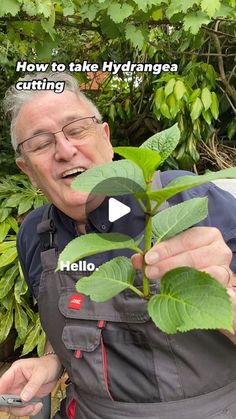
76, 132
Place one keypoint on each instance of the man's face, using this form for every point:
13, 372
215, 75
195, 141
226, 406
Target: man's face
50, 112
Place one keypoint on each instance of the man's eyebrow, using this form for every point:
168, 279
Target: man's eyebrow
39, 131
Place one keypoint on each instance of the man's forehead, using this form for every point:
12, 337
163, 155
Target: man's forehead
68, 105
60, 108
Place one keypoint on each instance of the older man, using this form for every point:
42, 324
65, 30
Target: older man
119, 364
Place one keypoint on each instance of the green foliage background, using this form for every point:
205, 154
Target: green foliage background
198, 35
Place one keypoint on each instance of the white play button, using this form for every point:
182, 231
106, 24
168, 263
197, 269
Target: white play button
117, 209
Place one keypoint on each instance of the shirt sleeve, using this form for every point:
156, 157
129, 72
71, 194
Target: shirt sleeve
222, 215
221, 208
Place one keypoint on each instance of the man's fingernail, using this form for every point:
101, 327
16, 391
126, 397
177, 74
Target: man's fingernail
152, 272
152, 257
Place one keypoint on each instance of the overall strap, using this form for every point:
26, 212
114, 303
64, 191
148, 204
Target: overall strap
46, 230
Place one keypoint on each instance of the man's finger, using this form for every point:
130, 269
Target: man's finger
199, 258
137, 261
193, 238
30, 410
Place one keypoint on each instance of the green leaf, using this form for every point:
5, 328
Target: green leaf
7, 281
186, 182
25, 204
7, 245
206, 98
187, 4
68, 7
48, 25
194, 21
89, 11
196, 109
30, 7
11, 7
164, 142
41, 343
6, 322
119, 13
207, 116
8, 257
21, 321
173, 105
112, 278
45, 7
159, 97
32, 338
124, 178
93, 243
178, 218
189, 300
214, 105
174, 8
135, 35
13, 223
20, 289
147, 4
147, 160
4, 228
164, 108
211, 7
14, 200
4, 212
39, 201
196, 93
225, 11
179, 89
169, 87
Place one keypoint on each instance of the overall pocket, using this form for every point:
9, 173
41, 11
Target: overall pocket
108, 351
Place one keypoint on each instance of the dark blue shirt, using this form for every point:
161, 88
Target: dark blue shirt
222, 214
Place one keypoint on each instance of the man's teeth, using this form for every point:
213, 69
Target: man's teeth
73, 171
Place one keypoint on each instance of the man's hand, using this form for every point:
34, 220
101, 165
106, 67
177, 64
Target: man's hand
28, 378
202, 248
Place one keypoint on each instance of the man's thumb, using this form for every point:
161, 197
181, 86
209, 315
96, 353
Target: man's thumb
30, 389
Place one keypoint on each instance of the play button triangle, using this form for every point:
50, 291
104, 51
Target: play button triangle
117, 210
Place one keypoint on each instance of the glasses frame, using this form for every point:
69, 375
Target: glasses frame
94, 118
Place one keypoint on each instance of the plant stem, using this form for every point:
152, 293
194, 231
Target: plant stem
147, 246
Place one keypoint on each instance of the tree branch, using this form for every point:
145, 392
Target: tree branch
218, 32
230, 91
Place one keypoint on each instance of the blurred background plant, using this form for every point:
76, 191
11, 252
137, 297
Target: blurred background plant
198, 35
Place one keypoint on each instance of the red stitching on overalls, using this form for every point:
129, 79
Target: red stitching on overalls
104, 361
71, 409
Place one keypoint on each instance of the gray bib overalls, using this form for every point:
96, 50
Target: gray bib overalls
120, 365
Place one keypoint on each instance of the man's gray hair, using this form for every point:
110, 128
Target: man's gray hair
15, 99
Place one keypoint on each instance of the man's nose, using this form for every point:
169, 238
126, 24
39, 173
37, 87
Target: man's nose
64, 150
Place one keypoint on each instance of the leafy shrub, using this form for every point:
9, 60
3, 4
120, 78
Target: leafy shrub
17, 197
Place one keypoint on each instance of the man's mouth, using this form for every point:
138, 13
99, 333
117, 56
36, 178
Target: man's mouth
69, 174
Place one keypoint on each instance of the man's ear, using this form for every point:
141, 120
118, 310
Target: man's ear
25, 169
106, 131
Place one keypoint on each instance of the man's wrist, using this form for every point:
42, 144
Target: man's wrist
62, 369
